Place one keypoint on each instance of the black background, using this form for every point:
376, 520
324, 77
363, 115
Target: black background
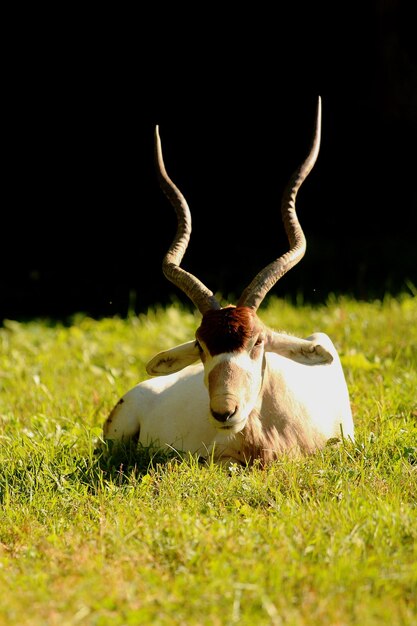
84, 224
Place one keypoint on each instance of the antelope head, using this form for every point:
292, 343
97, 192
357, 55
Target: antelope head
231, 341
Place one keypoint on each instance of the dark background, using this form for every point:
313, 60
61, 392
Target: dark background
84, 225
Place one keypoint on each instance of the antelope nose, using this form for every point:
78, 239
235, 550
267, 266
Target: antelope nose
223, 417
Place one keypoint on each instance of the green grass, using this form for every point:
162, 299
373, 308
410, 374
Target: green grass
93, 537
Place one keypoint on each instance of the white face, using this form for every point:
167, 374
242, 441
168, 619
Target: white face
233, 380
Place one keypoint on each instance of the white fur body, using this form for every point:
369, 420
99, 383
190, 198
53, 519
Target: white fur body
291, 407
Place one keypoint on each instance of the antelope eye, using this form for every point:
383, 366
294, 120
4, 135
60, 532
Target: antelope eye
259, 340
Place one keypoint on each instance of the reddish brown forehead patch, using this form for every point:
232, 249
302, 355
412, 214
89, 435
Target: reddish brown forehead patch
228, 329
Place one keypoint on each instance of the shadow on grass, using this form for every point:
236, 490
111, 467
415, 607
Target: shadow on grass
127, 462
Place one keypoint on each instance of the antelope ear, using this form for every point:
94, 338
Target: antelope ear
311, 351
173, 360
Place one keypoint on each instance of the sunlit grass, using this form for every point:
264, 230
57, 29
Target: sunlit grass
92, 537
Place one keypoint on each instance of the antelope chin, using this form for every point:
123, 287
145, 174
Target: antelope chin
228, 429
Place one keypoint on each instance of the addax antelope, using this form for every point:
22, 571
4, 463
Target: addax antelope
239, 391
